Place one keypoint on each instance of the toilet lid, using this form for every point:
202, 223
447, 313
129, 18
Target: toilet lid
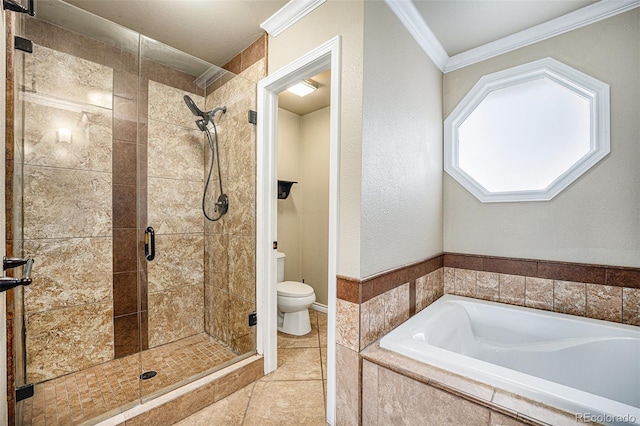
294, 289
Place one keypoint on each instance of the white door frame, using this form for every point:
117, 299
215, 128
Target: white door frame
319, 59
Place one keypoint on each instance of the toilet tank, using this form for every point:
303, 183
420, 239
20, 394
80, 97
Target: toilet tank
280, 256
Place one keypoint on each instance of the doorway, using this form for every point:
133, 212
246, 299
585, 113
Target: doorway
324, 57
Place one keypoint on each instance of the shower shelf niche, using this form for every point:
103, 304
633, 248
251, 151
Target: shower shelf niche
284, 187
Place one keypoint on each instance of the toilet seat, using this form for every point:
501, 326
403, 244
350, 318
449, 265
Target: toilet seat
294, 289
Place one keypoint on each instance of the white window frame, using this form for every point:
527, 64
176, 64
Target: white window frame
591, 89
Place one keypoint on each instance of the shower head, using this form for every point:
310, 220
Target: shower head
195, 110
205, 117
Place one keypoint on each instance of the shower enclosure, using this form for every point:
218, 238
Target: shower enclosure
134, 292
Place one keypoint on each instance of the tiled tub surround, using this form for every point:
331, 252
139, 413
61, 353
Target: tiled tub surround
400, 390
367, 309
554, 359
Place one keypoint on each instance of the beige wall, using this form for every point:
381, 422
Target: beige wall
303, 217
391, 135
314, 159
344, 18
289, 209
401, 147
595, 220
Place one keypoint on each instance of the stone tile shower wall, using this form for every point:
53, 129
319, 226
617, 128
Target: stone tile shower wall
103, 268
230, 290
67, 213
86, 210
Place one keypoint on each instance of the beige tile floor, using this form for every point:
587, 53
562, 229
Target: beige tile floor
293, 394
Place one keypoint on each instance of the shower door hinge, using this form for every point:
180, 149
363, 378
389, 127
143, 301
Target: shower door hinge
23, 44
253, 117
24, 392
253, 319
15, 7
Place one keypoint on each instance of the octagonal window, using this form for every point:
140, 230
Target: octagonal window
526, 133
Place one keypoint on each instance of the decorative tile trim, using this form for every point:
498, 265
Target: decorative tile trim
360, 290
348, 289
598, 301
356, 290
615, 276
595, 291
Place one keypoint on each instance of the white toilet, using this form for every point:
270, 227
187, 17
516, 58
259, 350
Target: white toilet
294, 299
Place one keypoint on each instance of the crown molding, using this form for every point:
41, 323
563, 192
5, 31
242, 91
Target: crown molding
582, 17
418, 28
407, 13
288, 15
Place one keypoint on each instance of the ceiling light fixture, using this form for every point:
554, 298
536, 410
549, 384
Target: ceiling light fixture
303, 88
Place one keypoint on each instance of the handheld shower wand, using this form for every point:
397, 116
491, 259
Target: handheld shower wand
222, 203
205, 117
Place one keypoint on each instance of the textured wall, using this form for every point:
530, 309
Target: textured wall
330, 19
289, 209
314, 242
401, 147
594, 220
303, 218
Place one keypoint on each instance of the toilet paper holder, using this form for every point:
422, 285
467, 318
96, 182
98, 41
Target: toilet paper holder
284, 187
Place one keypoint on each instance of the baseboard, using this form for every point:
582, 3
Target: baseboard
320, 307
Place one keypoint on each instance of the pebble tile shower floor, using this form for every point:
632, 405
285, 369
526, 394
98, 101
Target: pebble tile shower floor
78, 397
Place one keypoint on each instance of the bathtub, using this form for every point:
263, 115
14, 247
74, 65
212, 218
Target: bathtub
586, 367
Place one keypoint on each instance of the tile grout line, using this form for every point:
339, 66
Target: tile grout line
246, 409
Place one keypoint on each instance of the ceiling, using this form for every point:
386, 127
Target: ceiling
213, 30
462, 25
217, 30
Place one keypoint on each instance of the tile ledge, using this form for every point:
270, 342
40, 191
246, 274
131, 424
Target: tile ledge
145, 407
534, 413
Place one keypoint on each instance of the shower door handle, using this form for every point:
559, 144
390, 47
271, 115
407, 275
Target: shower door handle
149, 243
7, 283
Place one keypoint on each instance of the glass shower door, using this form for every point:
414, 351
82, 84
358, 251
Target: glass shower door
66, 216
191, 326
106, 149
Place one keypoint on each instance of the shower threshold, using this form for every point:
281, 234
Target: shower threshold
103, 390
